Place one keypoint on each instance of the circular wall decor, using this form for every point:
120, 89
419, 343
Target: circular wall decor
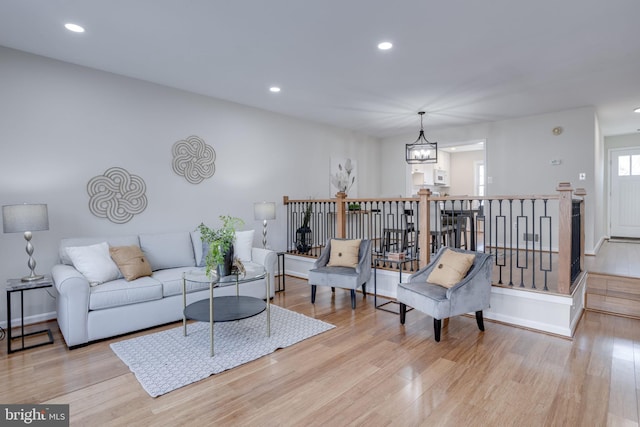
193, 159
117, 195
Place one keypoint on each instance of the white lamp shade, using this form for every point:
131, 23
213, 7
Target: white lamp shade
264, 210
21, 218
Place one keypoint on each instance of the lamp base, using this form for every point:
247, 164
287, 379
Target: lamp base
32, 278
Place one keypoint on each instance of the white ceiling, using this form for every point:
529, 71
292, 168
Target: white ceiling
461, 61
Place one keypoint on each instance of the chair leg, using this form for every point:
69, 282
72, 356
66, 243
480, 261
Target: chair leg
313, 294
437, 325
403, 313
364, 289
333, 289
480, 320
353, 298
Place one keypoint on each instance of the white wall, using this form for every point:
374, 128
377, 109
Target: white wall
63, 124
622, 141
518, 155
462, 171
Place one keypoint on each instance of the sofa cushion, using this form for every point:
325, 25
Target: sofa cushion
171, 280
168, 250
131, 261
121, 292
86, 241
94, 262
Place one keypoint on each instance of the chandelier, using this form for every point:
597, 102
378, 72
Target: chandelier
422, 151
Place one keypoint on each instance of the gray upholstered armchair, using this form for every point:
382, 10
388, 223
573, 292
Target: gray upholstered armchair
341, 277
471, 294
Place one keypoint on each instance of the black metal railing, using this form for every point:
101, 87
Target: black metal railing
524, 233
576, 236
391, 225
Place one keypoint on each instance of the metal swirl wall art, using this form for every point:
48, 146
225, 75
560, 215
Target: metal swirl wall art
193, 159
117, 195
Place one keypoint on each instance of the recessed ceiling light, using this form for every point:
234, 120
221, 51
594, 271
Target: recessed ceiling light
453, 148
74, 27
274, 89
385, 45
637, 110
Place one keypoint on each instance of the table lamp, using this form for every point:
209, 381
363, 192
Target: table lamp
26, 218
264, 211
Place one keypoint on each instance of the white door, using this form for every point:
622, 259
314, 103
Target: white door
625, 192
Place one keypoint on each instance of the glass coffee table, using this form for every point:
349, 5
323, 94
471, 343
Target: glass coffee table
225, 308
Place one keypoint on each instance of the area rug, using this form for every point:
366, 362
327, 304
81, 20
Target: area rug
167, 360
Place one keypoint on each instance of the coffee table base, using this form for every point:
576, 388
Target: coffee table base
225, 309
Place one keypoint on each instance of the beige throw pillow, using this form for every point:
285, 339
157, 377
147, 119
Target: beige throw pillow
452, 268
344, 253
131, 261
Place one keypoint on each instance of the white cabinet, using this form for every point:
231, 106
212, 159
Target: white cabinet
440, 177
442, 169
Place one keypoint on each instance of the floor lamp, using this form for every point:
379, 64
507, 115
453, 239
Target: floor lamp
26, 218
264, 211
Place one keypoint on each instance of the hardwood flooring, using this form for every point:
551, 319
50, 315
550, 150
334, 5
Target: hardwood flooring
369, 370
617, 259
613, 283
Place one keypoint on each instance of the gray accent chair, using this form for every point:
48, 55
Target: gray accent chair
471, 294
341, 277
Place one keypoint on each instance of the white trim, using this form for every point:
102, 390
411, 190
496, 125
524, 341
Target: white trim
476, 166
529, 324
29, 320
596, 249
538, 296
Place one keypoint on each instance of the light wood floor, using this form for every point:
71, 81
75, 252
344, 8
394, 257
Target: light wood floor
369, 370
616, 258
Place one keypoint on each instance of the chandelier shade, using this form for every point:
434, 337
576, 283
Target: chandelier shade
422, 150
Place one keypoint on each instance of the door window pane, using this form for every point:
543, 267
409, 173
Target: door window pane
635, 164
624, 165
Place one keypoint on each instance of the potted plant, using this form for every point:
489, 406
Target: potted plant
220, 241
303, 234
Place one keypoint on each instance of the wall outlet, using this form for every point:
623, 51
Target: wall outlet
556, 162
528, 237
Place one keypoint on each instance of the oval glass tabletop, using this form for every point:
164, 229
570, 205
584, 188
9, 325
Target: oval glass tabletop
252, 272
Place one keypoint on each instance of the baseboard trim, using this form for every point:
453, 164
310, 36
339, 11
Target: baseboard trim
30, 320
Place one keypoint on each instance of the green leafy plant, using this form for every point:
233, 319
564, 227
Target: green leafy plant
219, 240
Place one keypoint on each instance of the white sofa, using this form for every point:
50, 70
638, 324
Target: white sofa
92, 312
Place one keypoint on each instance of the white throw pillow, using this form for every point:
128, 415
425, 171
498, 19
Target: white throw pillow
94, 262
243, 244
